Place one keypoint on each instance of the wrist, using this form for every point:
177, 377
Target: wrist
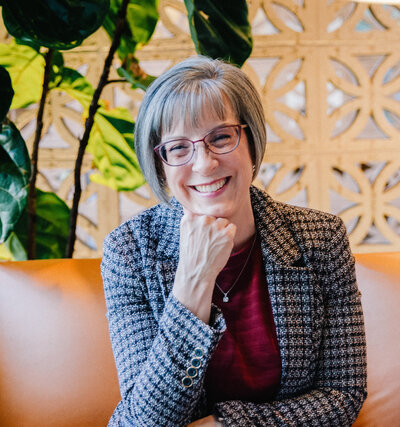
200, 306
219, 421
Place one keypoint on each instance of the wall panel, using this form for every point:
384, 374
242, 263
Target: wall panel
328, 73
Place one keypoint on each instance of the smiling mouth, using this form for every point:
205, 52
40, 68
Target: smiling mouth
211, 188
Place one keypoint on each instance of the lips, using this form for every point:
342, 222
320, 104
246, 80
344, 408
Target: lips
211, 188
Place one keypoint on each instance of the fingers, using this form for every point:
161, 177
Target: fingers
231, 230
206, 218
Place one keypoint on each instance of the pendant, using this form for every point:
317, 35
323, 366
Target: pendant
225, 298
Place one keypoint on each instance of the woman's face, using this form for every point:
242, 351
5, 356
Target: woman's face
212, 184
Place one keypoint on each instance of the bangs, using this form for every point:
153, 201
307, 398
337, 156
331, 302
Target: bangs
192, 103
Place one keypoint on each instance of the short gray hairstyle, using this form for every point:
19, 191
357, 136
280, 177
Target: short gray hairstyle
187, 90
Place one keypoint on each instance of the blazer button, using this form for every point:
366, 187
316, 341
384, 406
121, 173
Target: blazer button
196, 363
192, 372
198, 352
187, 382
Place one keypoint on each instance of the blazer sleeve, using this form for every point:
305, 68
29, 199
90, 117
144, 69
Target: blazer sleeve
339, 386
152, 356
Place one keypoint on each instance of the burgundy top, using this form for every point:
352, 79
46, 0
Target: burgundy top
246, 364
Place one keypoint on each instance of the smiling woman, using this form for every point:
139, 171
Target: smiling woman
211, 183
225, 306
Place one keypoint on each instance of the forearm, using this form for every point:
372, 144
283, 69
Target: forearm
337, 387
204, 248
153, 335
151, 383
197, 297
320, 407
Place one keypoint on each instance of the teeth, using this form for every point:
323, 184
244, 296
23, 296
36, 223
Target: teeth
210, 188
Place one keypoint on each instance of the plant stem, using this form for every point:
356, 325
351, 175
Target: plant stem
89, 124
31, 201
116, 81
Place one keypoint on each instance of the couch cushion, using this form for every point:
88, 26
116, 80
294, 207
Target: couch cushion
379, 281
56, 364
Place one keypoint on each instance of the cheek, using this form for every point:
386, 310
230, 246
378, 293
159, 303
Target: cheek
168, 174
174, 178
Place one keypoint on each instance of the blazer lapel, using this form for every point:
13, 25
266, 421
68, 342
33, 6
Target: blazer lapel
277, 240
291, 286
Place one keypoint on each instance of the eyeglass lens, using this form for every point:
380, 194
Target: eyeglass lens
220, 141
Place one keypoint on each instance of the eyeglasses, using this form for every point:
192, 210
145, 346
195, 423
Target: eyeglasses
221, 140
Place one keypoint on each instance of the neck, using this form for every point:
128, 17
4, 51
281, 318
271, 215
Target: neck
243, 233
245, 224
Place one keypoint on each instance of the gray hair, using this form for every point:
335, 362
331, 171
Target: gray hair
186, 90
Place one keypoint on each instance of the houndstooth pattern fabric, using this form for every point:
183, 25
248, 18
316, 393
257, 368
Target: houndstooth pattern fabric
316, 306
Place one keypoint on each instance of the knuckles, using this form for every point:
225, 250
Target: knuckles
205, 224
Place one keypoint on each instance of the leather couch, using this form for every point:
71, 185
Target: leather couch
56, 364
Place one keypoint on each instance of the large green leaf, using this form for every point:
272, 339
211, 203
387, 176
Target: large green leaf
14, 177
141, 16
111, 138
6, 93
26, 68
220, 29
51, 227
111, 143
75, 85
56, 24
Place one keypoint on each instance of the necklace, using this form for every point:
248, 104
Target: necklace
225, 294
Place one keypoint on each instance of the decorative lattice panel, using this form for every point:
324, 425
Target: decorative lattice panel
329, 76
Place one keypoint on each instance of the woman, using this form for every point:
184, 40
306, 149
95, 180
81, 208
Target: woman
225, 306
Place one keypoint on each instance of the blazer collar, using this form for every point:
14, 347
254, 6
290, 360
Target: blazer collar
277, 240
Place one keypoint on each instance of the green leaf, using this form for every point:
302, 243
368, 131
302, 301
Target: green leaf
111, 143
51, 227
6, 93
26, 68
111, 138
12, 249
56, 24
76, 86
220, 29
14, 177
5, 253
141, 16
132, 72
57, 66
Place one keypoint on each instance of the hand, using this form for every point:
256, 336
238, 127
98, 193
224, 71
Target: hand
205, 245
209, 421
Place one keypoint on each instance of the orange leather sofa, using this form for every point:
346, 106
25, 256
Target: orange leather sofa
56, 364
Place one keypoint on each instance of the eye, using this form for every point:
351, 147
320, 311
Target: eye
220, 137
178, 146
178, 149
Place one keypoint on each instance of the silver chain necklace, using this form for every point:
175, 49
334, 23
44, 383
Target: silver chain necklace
225, 294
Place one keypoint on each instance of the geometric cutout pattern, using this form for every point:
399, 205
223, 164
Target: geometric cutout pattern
328, 73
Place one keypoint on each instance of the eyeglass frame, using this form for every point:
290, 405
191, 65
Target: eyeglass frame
159, 146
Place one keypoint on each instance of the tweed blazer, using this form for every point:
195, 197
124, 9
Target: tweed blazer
316, 307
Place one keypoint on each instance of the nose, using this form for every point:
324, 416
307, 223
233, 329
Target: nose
204, 162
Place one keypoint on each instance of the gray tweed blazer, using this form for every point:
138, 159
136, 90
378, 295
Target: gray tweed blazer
316, 306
